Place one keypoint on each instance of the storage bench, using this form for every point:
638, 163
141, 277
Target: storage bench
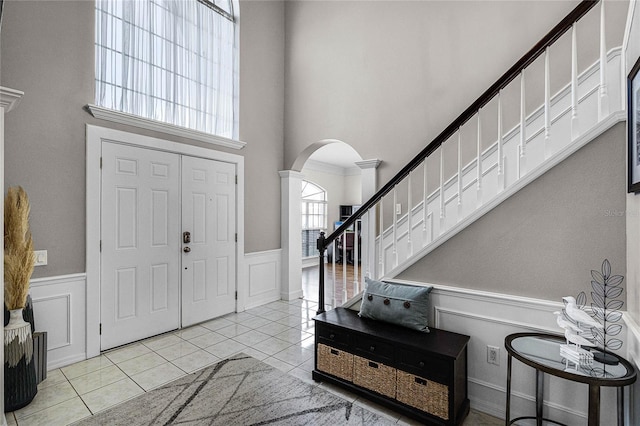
420, 375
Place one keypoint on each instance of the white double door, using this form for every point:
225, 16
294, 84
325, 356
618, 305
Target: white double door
168, 242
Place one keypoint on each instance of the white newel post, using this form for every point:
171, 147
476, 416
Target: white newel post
368, 237
291, 227
9, 98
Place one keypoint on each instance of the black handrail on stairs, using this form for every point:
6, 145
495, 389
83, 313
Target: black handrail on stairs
323, 242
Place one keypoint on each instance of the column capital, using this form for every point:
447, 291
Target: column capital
286, 174
9, 98
368, 164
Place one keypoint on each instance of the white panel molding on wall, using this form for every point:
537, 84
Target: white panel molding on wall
59, 309
488, 318
263, 276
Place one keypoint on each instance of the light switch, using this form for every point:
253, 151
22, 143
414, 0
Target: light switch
398, 208
40, 257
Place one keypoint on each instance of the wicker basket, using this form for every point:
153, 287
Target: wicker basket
335, 362
374, 376
423, 394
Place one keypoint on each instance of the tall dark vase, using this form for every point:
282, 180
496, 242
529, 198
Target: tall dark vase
20, 386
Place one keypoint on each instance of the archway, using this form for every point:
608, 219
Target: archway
330, 153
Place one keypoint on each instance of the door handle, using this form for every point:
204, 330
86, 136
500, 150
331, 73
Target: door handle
186, 237
186, 249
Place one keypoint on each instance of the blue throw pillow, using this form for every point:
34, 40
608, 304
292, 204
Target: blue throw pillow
404, 305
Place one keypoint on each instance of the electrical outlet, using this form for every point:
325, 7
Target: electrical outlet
493, 355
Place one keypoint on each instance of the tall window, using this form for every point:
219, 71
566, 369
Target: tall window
172, 61
314, 216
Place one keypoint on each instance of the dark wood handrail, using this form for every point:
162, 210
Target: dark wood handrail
323, 241
578, 12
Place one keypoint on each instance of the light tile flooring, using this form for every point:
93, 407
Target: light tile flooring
279, 334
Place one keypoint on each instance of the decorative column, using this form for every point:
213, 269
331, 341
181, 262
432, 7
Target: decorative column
9, 99
368, 237
290, 234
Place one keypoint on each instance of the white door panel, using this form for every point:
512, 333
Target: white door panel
148, 199
208, 214
140, 228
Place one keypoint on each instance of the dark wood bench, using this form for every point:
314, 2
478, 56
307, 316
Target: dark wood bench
420, 375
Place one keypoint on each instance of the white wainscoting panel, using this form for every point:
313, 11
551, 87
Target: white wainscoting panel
59, 308
488, 318
263, 273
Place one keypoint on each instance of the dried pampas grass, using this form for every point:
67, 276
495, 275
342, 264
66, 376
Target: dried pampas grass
18, 248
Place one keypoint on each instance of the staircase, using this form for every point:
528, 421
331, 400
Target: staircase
482, 158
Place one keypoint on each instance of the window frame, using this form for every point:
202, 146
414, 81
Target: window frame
304, 212
130, 119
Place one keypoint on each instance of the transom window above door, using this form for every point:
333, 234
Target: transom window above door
172, 61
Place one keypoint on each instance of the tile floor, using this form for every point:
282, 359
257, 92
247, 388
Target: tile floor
279, 334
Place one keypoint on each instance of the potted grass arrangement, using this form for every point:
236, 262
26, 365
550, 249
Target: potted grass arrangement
19, 370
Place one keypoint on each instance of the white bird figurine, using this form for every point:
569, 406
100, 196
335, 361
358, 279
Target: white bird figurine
576, 339
563, 323
577, 314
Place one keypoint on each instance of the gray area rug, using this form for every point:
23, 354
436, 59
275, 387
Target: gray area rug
237, 391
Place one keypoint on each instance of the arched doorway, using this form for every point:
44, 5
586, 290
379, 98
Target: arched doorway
331, 164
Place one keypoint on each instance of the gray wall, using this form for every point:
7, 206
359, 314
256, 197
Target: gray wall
544, 241
387, 76
633, 200
48, 52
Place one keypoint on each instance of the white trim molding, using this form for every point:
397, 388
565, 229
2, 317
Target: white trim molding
488, 318
263, 271
291, 238
9, 98
94, 138
159, 126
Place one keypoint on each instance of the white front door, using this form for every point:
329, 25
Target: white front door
208, 259
140, 228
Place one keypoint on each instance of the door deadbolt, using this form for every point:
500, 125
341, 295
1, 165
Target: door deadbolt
186, 237
186, 249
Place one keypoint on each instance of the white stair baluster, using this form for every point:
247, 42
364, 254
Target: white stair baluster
380, 204
333, 273
368, 258
575, 131
479, 163
344, 267
356, 255
442, 204
409, 221
425, 203
548, 149
395, 226
460, 187
501, 178
523, 127
603, 99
